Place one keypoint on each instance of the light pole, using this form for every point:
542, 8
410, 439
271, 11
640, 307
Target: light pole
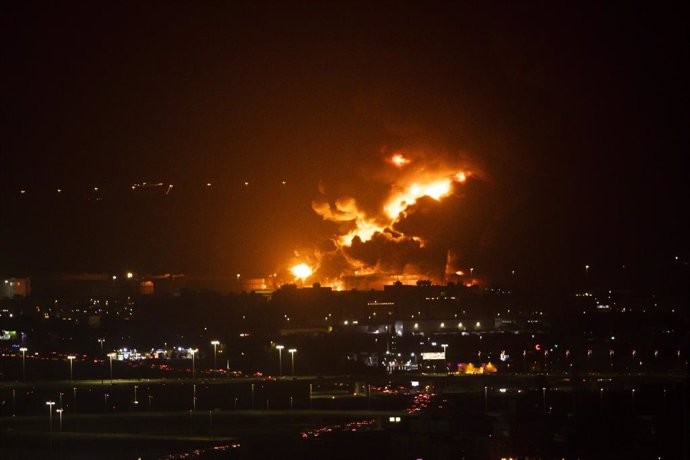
445, 359
23, 350
136, 401
111, 356
105, 403
71, 360
215, 344
50, 405
101, 341
59, 411
292, 352
280, 359
193, 352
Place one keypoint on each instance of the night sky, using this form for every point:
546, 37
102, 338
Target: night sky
577, 117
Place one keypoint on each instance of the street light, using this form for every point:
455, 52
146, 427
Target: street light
101, 341
292, 352
23, 350
193, 352
136, 401
111, 356
280, 359
71, 360
50, 405
59, 411
215, 344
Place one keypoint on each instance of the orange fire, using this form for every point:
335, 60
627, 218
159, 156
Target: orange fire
414, 181
398, 160
302, 271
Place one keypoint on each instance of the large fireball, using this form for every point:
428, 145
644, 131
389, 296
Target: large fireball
301, 271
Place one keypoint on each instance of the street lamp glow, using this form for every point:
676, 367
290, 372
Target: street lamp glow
23, 350
71, 360
130, 275
50, 405
111, 356
193, 351
215, 344
292, 352
280, 358
60, 411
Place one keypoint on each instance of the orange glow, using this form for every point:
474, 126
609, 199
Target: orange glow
401, 201
410, 182
301, 271
399, 160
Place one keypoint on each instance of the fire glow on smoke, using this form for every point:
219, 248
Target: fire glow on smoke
362, 230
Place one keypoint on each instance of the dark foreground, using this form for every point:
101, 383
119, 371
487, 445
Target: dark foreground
472, 417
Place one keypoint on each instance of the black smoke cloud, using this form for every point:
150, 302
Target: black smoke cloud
419, 243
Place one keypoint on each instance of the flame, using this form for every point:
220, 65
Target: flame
436, 190
398, 160
302, 271
418, 180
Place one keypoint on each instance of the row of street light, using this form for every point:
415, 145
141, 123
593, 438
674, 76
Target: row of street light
192, 351
292, 352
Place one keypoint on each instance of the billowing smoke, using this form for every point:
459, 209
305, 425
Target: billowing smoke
405, 218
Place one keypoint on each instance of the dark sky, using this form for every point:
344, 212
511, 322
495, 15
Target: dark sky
578, 115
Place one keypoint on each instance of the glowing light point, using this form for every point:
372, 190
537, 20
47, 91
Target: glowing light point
461, 177
398, 160
301, 271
